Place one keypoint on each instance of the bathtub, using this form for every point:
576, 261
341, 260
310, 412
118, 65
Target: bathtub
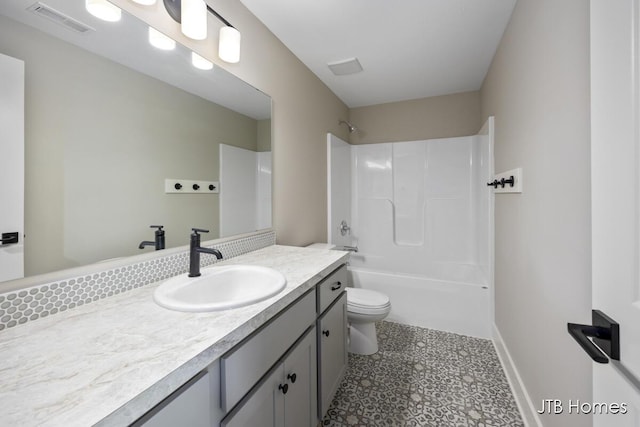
452, 306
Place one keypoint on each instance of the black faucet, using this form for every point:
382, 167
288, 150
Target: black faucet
195, 250
159, 242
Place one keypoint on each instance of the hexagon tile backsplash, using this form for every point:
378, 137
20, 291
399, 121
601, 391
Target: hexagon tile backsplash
22, 306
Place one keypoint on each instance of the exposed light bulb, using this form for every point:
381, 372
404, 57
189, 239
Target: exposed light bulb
200, 62
229, 45
104, 10
194, 19
145, 2
159, 40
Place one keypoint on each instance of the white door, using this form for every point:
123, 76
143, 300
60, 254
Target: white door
615, 180
11, 166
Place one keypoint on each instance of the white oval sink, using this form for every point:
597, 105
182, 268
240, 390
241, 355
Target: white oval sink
220, 288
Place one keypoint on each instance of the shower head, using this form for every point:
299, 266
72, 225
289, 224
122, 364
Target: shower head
351, 127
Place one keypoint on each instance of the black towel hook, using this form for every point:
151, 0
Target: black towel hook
511, 181
493, 184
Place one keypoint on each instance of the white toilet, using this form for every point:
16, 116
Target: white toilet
364, 308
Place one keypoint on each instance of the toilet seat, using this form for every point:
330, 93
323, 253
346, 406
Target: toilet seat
368, 311
367, 302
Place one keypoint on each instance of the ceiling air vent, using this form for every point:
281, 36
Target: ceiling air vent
347, 66
59, 18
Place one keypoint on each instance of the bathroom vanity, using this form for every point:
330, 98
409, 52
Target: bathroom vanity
126, 361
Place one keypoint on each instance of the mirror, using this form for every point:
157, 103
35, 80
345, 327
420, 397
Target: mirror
109, 118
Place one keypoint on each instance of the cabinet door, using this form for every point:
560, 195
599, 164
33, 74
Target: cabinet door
301, 375
264, 407
242, 367
189, 405
332, 353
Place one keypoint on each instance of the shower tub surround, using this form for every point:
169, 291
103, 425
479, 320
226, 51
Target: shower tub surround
420, 214
109, 362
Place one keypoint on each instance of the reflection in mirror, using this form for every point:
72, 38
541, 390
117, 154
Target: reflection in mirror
108, 118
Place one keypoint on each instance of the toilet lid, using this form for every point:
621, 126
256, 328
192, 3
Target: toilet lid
366, 298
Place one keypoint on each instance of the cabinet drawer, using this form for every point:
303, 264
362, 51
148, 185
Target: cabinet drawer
243, 366
331, 288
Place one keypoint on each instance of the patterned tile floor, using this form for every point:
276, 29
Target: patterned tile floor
424, 377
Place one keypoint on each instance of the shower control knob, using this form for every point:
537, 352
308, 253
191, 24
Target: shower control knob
344, 228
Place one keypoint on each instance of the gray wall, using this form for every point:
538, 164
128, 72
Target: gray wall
264, 135
99, 141
538, 90
435, 117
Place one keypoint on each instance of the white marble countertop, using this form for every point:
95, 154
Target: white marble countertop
110, 361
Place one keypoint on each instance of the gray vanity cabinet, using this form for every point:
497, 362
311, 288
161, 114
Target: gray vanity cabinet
332, 351
283, 375
189, 405
300, 372
287, 395
263, 407
332, 335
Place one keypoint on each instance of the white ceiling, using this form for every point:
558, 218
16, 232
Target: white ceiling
409, 49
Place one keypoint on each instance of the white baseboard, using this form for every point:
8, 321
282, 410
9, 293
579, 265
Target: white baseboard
522, 398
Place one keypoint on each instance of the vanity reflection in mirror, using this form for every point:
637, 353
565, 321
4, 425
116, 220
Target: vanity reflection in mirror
108, 118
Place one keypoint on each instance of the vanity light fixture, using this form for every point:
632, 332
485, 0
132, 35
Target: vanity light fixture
194, 19
200, 62
160, 41
102, 9
192, 16
229, 45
